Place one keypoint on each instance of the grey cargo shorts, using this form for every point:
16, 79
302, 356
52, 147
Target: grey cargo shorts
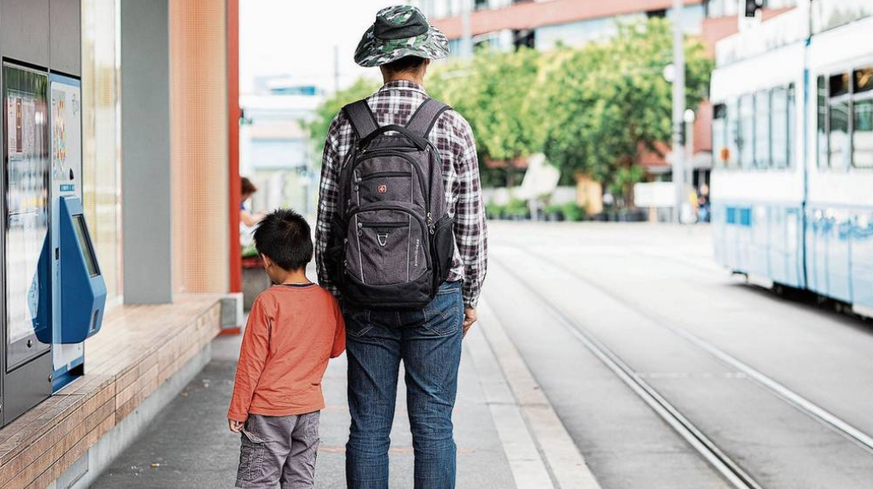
278, 450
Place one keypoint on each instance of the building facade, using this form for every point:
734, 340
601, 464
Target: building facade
157, 138
276, 152
544, 24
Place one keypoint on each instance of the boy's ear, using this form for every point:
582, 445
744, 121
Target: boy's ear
267, 261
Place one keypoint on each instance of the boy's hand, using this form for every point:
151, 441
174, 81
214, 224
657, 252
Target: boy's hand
470, 317
235, 426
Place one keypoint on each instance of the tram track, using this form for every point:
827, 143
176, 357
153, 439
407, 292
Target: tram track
708, 450
729, 469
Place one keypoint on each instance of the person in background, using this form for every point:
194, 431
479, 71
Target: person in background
246, 216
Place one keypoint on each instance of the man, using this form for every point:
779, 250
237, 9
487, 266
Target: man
402, 44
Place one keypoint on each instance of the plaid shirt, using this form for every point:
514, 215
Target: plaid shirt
395, 103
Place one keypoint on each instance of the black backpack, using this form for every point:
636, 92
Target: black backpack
392, 239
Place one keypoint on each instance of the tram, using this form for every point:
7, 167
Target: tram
792, 188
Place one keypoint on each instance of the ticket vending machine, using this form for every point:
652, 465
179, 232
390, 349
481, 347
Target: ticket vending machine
52, 294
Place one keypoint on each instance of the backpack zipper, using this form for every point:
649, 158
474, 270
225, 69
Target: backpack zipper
424, 191
384, 225
388, 174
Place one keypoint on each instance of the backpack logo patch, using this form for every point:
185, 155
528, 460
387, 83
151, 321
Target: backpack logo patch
383, 239
382, 189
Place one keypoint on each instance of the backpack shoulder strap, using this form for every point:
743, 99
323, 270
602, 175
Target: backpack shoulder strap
362, 118
423, 120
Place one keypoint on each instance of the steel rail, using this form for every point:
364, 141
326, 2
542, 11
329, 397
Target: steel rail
720, 461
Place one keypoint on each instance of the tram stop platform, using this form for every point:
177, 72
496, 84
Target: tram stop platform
142, 358
507, 433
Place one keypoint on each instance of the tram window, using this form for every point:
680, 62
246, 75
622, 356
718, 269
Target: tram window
822, 126
863, 80
747, 131
839, 142
779, 127
838, 137
792, 126
719, 135
839, 85
862, 136
733, 133
762, 129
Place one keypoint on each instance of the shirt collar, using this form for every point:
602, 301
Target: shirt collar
403, 85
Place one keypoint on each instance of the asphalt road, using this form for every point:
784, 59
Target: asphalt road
653, 297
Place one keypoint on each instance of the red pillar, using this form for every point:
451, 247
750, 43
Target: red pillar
233, 118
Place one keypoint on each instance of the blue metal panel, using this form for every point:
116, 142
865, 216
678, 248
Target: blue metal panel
862, 258
759, 240
839, 261
83, 292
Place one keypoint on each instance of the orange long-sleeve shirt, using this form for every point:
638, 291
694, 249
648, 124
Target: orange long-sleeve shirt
291, 334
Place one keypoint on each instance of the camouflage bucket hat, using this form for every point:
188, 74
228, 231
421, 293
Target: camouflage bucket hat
398, 32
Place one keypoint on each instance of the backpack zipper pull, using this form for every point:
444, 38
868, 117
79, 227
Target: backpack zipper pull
429, 218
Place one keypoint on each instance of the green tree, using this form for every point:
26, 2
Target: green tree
331, 106
498, 94
609, 100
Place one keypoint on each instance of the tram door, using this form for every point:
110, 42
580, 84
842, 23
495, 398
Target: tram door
26, 258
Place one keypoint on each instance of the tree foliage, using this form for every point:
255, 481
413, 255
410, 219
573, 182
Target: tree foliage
331, 106
609, 100
590, 109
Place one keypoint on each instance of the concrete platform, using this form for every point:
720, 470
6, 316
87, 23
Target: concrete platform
134, 367
508, 436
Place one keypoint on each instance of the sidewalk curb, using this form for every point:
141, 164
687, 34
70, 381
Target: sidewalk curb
561, 456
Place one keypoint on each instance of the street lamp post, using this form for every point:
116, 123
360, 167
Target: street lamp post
466, 29
678, 108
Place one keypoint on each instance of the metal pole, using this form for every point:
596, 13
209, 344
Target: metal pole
678, 107
466, 29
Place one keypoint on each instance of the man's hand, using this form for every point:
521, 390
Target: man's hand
470, 317
234, 425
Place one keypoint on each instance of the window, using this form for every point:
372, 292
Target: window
762, 129
792, 125
838, 122
779, 131
747, 131
480, 4
733, 133
822, 132
719, 136
862, 128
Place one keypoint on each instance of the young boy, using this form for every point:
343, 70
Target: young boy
294, 328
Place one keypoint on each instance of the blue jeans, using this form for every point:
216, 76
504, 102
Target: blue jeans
429, 343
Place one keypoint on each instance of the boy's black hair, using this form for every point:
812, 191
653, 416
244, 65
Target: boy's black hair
284, 236
404, 64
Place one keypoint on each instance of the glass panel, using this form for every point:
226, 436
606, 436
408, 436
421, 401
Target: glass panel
747, 131
762, 129
862, 137
719, 136
779, 127
27, 177
733, 132
822, 123
84, 240
839, 85
100, 133
838, 120
792, 125
863, 80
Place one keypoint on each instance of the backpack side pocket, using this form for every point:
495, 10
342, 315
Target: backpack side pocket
443, 248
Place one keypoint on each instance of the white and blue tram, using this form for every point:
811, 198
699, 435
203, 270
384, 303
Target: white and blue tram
792, 189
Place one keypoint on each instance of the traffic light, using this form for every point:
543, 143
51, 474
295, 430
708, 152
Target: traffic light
752, 7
